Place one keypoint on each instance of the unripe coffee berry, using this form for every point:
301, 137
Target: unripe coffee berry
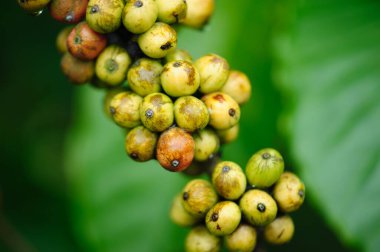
104, 16
280, 231
264, 168
124, 108
140, 144
243, 239
156, 112
229, 180
171, 11
198, 12
238, 87
200, 239
179, 78
190, 113
78, 72
178, 54
179, 215
68, 11
289, 192
223, 218
108, 98
61, 41
258, 207
139, 15
206, 144
228, 135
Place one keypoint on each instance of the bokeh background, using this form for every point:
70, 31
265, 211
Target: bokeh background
67, 185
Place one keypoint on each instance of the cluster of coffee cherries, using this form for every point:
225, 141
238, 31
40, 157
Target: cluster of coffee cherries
228, 208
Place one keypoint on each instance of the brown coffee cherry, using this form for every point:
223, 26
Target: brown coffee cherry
158, 41
280, 231
68, 11
139, 15
228, 135
108, 98
206, 144
224, 111
258, 207
214, 71
61, 41
104, 16
200, 239
243, 239
78, 72
198, 197
84, 43
178, 54
144, 76
190, 113
289, 192
156, 112
140, 144
33, 6
223, 218
198, 12
171, 11
124, 108
180, 78
180, 216
175, 149
238, 87
229, 180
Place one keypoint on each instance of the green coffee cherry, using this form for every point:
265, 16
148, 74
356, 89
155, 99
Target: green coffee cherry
258, 207
158, 41
139, 15
180, 78
112, 65
289, 192
33, 6
206, 144
198, 12
156, 112
104, 16
178, 54
223, 218
108, 98
243, 239
229, 180
200, 239
124, 108
171, 11
214, 71
198, 197
180, 216
190, 113
228, 135
224, 111
264, 168
238, 87
144, 76
140, 144
280, 231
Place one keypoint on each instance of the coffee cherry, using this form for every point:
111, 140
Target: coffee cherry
243, 239
180, 78
229, 180
280, 231
68, 11
112, 65
140, 144
175, 149
104, 16
289, 192
198, 12
264, 168
206, 144
171, 11
33, 6
223, 218
84, 43
238, 87
78, 72
180, 216
200, 239
61, 41
214, 71
228, 135
190, 113
156, 112
124, 108
224, 111
158, 41
139, 15
108, 98
144, 76
258, 207
178, 54
198, 197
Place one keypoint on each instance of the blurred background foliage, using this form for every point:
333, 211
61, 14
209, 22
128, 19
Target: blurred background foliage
67, 185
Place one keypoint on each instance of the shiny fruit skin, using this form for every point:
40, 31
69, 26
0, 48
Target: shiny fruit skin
68, 11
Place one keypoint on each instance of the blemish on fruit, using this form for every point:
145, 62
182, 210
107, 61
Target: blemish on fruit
231, 112
149, 113
214, 217
185, 196
175, 163
112, 110
261, 207
166, 46
94, 9
219, 98
138, 4
266, 155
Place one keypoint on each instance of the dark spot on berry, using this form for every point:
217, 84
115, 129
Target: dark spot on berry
149, 113
175, 163
280, 234
301, 193
266, 155
166, 46
214, 217
138, 4
77, 39
22, 1
261, 207
177, 64
185, 196
94, 9
231, 112
69, 17
226, 169
112, 110
219, 98
218, 227
134, 155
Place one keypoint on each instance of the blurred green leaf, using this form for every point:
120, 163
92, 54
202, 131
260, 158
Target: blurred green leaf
330, 66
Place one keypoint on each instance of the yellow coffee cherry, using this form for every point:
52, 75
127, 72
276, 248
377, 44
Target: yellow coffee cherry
108, 98
61, 41
190, 113
200, 239
139, 15
33, 6
144, 76
124, 108
178, 54
289, 192
140, 144
243, 239
198, 12
104, 16
238, 87
180, 216
206, 144
228, 135
223, 218
280, 231
171, 11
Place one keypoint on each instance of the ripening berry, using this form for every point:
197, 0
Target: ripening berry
238, 87
68, 11
144, 76
198, 12
228, 135
223, 218
140, 144
178, 54
104, 16
139, 15
156, 112
171, 11
206, 144
61, 41
33, 6
289, 192
78, 72
84, 43
224, 111
158, 41
175, 149
108, 98
243, 239
258, 207
264, 168
214, 71
200, 239
190, 113
124, 108
180, 216
280, 231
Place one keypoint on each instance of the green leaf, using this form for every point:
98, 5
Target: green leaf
330, 66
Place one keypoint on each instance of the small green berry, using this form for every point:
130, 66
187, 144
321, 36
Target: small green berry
180, 216
238, 87
228, 135
139, 15
243, 239
178, 54
124, 108
198, 12
280, 231
171, 11
289, 192
206, 144
223, 218
200, 239
140, 144
104, 16
190, 113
